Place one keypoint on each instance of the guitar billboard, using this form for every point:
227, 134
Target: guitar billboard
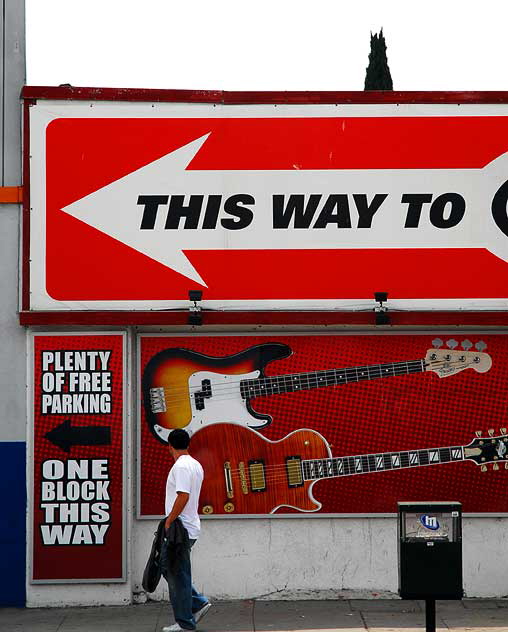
305, 206
327, 423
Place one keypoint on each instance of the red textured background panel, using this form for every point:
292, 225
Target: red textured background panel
398, 413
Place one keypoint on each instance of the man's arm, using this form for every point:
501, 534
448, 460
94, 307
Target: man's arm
178, 506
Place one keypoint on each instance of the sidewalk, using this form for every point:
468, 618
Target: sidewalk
383, 615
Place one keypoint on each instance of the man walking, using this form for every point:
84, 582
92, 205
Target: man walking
182, 530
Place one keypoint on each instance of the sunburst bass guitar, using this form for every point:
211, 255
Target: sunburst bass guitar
186, 389
245, 473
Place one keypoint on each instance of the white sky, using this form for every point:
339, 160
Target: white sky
266, 44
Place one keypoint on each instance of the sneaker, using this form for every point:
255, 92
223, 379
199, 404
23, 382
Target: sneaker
199, 614
172, 628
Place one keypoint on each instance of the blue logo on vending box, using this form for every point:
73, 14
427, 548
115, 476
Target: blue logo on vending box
429, 522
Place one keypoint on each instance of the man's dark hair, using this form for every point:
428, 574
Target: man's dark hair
179, 439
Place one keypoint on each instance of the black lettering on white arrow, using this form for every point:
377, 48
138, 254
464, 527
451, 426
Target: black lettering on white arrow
166, 210
65, 436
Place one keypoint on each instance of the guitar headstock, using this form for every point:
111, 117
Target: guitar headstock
488, 449
451, 360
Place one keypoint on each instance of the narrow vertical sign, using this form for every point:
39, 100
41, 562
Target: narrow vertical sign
78, 457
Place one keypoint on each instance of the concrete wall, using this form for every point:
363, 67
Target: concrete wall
312, 558
322, 558
12, 336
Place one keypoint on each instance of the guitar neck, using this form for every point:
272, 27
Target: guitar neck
365, 463
331, 377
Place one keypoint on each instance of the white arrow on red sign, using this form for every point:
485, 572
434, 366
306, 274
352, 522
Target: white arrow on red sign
165, 210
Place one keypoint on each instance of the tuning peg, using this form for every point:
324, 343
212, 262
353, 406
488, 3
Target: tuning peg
480, 345
467, 344
506, 465
502, 431
478, 433
483, 468
437, 342
495, 466
451, 344
491, 432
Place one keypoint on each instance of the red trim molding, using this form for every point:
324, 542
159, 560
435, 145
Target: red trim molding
238, 98
360, 319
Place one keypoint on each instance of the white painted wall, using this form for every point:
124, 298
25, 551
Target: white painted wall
320, 558
302, 558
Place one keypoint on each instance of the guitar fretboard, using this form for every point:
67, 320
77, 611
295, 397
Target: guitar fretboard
316, 379
362, 464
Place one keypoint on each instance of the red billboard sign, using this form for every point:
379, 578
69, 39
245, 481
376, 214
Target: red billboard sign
327, 424
78, 525
262, 206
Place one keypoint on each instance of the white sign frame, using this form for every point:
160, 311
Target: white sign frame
43, 112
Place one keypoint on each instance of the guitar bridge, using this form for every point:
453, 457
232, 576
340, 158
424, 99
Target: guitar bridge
243, 477
228, 479
157, 400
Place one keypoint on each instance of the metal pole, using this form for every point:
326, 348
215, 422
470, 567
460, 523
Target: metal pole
430, 615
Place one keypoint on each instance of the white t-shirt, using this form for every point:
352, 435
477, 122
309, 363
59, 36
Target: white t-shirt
186, 475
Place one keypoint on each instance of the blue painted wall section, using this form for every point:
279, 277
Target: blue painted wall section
13, 523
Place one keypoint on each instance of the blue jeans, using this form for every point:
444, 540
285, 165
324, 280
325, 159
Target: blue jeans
184, 598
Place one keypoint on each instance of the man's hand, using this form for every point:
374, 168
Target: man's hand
178, 506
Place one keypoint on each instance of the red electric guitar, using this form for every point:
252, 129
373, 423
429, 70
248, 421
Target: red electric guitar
245, 473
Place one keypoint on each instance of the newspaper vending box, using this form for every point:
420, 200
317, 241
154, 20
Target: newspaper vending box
430, 550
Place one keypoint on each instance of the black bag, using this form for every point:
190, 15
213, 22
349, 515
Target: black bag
152, 572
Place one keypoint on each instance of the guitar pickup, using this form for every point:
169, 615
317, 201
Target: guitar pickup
204, 393
206, 387
157, 400
257, 476
294, 471
199, 401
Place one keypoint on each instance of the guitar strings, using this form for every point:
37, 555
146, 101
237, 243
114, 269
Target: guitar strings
315, 374
376, 455
232, 388
232, 391
281, 476
311, 374
273, 476
281, 468
182, 394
